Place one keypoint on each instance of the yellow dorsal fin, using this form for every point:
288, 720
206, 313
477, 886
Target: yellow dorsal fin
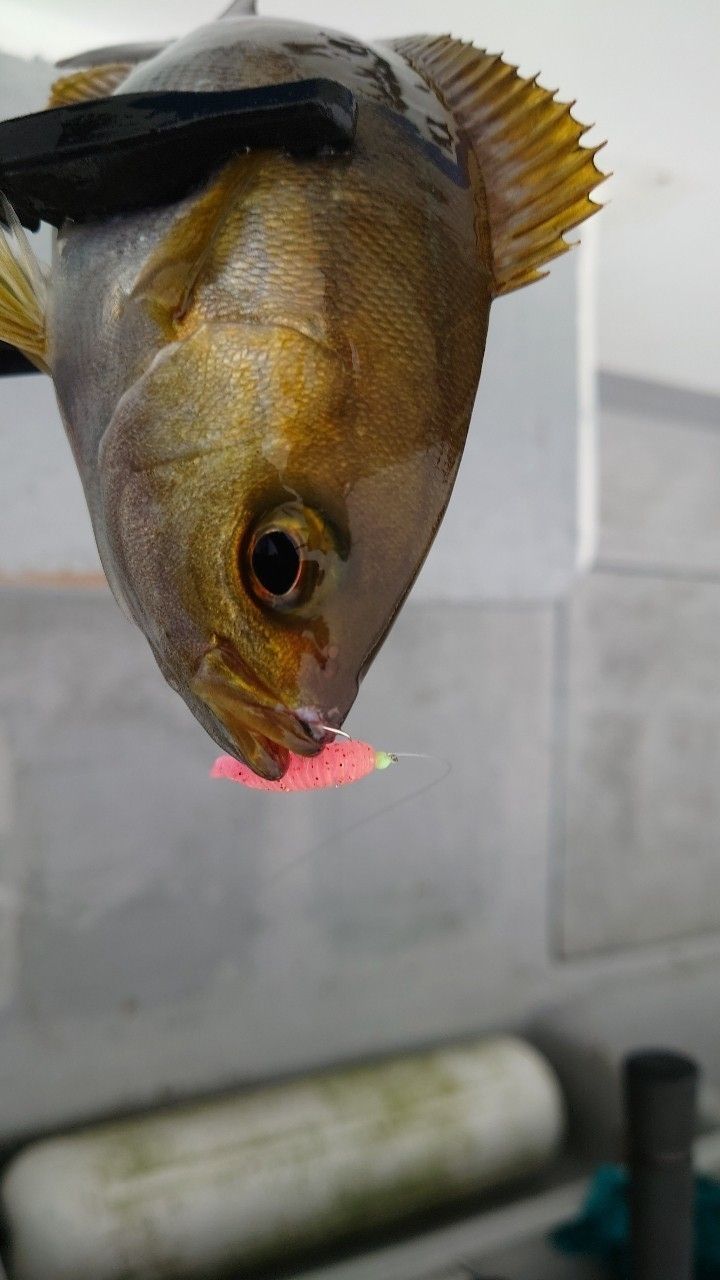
93, 82
23, 292
537, 176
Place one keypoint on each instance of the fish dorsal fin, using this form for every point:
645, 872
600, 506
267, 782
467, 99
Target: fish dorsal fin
537, 176
240, 9
93, 82
23, 292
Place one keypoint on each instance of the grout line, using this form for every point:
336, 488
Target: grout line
674, 953
557, 783
622, 393
61, 580
668, 572
515, 604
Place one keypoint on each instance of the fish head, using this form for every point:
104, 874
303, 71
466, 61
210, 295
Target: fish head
301, 352
263, 535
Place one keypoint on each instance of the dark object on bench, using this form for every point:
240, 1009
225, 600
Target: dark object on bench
660, 1091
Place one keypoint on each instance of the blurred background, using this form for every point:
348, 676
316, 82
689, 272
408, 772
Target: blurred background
163, 937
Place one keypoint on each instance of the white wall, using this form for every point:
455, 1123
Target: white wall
645, 72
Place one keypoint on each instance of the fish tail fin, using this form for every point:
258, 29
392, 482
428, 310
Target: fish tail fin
23, 291
536, 175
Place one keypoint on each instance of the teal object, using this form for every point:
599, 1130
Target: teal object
602, 1228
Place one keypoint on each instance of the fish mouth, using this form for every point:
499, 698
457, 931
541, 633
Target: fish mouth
257, 729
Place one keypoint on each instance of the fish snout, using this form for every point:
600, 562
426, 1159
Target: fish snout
323, 726
253, 724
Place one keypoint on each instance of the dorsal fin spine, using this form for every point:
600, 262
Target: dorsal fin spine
567, 168
537, 177
514, 104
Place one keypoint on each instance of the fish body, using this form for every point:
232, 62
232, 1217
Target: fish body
267, 385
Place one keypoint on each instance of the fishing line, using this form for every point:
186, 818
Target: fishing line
21, 900
339, 733
337, 837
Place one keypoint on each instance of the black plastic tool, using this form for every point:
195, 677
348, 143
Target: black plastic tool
133, 151
660, 1090
136, 151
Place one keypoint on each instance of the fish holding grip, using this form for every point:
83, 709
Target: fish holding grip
137, 150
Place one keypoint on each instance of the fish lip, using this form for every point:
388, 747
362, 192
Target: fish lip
263, 730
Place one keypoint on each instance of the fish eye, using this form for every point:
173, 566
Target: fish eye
287, 556
276, 563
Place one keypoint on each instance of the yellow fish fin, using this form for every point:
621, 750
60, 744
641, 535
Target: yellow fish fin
92, 82
537, 176
23, 292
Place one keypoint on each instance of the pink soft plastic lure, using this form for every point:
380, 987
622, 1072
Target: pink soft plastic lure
337, 764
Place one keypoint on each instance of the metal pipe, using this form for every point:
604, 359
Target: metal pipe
660, 1094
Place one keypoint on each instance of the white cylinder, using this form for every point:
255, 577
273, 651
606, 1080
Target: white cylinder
256, 1178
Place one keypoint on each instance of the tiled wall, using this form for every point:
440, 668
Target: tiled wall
641, 699
161, 934
162, 931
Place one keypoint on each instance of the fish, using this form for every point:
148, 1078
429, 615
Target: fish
267, 384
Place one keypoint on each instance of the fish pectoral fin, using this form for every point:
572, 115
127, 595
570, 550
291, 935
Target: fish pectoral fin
23, 292
133, 54
92, 82
536, 175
